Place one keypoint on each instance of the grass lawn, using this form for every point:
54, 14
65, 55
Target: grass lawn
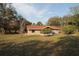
23, 45
19, 38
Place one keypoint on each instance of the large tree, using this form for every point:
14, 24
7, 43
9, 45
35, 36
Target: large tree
68, 20
9, 19
54, 21
75, 12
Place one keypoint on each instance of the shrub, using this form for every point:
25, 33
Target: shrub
46, 31
69, 29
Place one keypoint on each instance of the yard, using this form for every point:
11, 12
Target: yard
23, 45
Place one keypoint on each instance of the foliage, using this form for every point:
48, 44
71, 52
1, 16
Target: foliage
69, 20
8, 14
46, 31
74, 10
10, 20
69, 29
34, 24
39, 23
54, 21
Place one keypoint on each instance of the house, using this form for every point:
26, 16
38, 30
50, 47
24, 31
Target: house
36, 30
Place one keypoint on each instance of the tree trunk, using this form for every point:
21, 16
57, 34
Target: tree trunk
22, 27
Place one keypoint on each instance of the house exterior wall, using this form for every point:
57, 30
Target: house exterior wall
34, 33
56, 31
39, 33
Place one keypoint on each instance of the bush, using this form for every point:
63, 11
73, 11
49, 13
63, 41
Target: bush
69, 29
46, 31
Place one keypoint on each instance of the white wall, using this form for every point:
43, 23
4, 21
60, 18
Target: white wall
34, 33
39, 33
56, 31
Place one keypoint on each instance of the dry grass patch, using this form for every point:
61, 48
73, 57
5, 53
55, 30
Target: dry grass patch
17, 38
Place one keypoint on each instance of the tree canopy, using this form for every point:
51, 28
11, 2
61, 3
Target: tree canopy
39, 23
9, 19
54, 21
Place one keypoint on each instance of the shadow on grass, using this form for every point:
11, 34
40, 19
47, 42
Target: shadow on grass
68, 45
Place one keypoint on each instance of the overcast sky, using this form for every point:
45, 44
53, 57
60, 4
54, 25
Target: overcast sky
42, 12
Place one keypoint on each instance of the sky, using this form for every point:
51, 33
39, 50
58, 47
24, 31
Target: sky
35, 12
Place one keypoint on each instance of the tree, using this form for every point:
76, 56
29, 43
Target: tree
33, 24
76, 18
8, 15
54, 21
39, 23
74, 10
69, 20
9, 19
69, 29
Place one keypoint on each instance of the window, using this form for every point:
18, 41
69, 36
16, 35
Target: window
33, 31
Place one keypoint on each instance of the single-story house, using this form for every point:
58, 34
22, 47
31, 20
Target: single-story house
36, 30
